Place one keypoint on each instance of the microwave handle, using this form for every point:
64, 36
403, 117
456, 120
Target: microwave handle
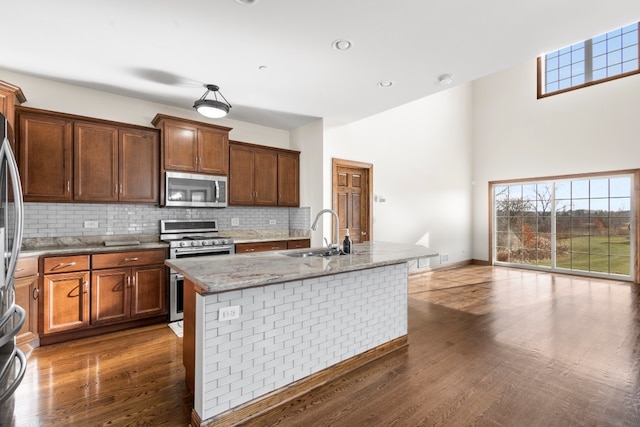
217, 191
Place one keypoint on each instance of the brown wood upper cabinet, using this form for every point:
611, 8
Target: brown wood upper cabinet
45, 147
190, 146
263, 176
115, 164
10, 96
70, 158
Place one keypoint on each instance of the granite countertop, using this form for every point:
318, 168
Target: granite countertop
222, 273
70, 245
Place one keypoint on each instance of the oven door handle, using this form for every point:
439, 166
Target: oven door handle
204, 250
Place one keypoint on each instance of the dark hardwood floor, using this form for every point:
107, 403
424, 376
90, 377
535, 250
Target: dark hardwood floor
488, 346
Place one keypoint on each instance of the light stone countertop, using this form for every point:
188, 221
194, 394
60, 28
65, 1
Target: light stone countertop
222, 273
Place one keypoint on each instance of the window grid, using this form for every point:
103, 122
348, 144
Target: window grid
605, 57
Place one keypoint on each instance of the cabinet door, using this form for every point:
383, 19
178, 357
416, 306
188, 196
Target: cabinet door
45, 157
180, 147
240, 175
148, 291
288, 179
65, 302
27, 297
265, 177
95, 161
110, 295
139, 166
213, 151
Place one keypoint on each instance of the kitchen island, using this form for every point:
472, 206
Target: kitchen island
295, 322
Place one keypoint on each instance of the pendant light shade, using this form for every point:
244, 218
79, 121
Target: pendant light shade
212, 108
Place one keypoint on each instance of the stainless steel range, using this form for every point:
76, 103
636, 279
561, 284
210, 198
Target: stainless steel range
190, 238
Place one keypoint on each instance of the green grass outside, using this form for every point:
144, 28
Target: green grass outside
602, 254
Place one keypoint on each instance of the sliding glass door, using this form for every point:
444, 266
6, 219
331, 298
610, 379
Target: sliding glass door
583, 225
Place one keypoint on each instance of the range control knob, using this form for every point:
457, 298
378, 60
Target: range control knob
183, 244
195, 243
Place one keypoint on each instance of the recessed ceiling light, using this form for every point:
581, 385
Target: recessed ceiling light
445, 79
342, 44
385, 83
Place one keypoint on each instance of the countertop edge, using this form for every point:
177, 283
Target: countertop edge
238, 274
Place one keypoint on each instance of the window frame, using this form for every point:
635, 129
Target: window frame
541, 80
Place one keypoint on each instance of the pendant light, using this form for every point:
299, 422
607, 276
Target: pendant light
212, 108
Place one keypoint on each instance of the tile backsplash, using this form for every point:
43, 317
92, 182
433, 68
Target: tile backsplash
69, 219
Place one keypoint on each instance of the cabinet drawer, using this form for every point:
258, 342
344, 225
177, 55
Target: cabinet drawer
128, 259
26, 267
63, 264
261, 247
299, 244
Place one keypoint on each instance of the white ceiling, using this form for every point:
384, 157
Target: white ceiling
166, 50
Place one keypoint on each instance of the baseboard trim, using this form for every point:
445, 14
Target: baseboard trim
283, 396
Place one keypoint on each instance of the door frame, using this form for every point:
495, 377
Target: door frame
334, 190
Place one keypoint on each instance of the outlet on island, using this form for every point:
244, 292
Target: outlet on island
229, 313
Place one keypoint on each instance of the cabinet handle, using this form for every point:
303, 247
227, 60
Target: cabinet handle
131, 259
68, 186
19, 269
128, 281
275, 247
63, 265
35, 293
120, 188
85, 287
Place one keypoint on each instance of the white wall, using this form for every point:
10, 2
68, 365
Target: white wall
65, 98
308, 139
421, 156
515, 135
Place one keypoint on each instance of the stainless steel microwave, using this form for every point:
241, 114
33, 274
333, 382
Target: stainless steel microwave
193, 190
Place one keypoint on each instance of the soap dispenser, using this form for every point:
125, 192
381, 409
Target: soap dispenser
346, 245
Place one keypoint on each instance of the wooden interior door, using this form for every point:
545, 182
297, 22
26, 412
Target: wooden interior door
352, 184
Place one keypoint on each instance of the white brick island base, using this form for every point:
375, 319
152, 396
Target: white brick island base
288, 331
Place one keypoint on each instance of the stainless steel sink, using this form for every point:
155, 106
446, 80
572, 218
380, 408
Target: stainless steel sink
314, 252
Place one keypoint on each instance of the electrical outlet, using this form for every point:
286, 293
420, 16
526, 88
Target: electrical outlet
235, 222
272, 222
91, 224
444, 258
229, 313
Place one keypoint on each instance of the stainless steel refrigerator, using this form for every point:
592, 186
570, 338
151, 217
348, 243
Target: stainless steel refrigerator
13, 362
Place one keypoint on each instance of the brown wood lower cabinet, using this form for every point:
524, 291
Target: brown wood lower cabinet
27, 295
121, 289
299, 244
65, 294
261, 246
121, 294
273, 245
